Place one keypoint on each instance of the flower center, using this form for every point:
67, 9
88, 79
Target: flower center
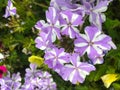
67, 43
69, 24
56, 57
90, 43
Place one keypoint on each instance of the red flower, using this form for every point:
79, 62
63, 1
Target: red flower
3, 70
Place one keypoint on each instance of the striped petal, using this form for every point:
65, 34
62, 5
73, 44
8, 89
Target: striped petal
92, 32
76, 19
102, 42
51, 15
39, 24
101, 6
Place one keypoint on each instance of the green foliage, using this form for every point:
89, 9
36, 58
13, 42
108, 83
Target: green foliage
17, 36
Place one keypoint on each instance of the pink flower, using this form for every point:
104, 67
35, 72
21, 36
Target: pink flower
3, 70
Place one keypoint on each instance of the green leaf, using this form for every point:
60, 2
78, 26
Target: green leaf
81, 87
116, 86
99, 72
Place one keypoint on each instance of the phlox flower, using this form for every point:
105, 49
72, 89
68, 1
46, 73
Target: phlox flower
46, 81
63, 4
31, 78
69, 22
13, 82
93, 42
38, 80
72, 5
32, 72
10, 10
49, 84
76, 71
96, 11
43, 41
32, 84
52, 27
56, 57
93, 8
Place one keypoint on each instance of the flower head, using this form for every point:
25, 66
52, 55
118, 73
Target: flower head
38, 80
93, 42
32, 72
96, 10
12, 81
56, 57
10, 9
63, 4
69, 23
76, 71
43, 41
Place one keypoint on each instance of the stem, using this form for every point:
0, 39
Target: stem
84, 19
41, 5
83, 58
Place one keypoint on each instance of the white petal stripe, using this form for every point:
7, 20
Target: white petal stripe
83, 73
81, 44
72, 75
74, 17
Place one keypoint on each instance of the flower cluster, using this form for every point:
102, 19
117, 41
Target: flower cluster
67, 18
10, 82
34, 80
38, 80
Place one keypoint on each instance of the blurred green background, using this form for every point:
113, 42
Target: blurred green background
17, 36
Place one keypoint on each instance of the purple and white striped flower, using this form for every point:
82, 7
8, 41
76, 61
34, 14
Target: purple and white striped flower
43, 41
46, 81
10, 10
76, 71
93, 42
69, 23
13, 82
96, 10
56, 57
54, 26
38, 80
63, 4
49, 84
32, 72
72, 5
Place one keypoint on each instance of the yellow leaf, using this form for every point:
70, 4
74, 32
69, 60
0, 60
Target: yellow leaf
36, 60
108, 79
